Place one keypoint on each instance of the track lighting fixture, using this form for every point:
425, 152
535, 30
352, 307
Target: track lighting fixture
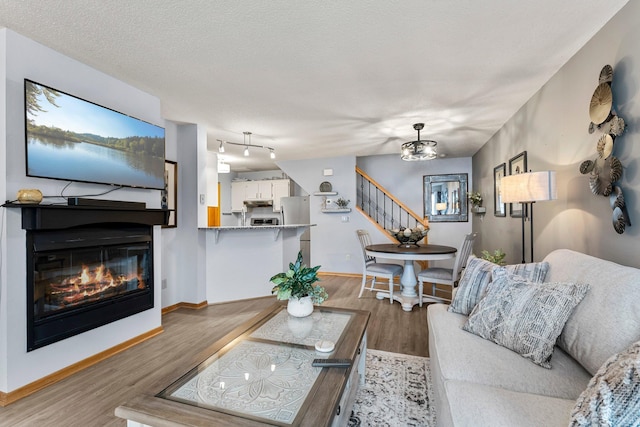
246, 145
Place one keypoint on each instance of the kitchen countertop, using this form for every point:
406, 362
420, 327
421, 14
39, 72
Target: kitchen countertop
257, 227
276, 229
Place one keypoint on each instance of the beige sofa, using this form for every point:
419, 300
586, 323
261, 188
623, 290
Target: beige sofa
479, 383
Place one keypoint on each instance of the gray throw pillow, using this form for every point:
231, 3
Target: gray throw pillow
612, 397
472, 286
534, 271
477, 276
524, 316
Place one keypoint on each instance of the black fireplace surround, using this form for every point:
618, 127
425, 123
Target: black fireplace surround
86, 267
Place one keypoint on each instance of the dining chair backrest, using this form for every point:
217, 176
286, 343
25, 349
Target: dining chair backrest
365, 240
463, 254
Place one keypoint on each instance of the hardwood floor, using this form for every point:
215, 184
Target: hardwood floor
90, 397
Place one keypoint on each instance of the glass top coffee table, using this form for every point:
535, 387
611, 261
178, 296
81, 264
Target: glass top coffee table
261, 374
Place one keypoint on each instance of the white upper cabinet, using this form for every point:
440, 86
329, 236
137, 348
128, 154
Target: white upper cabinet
272, 189
280, 188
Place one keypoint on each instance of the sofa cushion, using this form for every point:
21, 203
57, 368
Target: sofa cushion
477, 276
607, 321
612, 397
524, 316
463, 356
484, 406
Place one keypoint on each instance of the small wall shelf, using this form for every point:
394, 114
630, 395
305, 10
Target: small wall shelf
339, 210
325, 193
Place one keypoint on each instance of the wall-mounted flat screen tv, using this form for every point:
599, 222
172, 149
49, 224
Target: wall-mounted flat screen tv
71, 139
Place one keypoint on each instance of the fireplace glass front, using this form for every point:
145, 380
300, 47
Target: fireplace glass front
85, 278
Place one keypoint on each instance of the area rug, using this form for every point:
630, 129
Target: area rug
397, 392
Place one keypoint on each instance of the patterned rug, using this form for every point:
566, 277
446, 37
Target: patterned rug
397, 392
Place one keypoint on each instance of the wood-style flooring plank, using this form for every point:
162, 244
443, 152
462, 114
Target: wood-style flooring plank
90, 397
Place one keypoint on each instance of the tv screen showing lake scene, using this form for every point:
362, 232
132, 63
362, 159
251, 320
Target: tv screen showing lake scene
71, 139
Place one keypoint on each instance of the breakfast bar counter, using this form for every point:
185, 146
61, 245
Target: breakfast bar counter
240, 260
275, 229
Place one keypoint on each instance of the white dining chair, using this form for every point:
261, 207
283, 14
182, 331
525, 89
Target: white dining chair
446, 276
376, 269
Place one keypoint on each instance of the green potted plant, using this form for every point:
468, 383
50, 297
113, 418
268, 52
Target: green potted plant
297, 286
497, 257
342, 203
475, 198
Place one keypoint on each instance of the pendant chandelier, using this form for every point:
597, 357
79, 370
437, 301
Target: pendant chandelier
419, 149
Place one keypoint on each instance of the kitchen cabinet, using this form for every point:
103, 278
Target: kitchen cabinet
237, 195
280, 188
270, 189
258, 190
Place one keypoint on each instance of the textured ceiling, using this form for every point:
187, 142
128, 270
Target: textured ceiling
323, 78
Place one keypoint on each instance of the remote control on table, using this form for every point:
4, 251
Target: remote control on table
331, 363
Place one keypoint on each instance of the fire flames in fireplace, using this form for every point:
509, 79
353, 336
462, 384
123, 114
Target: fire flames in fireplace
91, 285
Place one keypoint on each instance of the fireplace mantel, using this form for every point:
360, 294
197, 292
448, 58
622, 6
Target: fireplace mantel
56, 217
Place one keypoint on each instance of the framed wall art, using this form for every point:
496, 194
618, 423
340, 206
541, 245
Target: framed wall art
445, 197
170, 192
517, 164
498, 173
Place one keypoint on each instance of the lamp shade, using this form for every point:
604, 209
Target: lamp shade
529, 187
441, 206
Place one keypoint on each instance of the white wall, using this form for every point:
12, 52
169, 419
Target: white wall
168, 284
4, 323
405, 181
334, 244
22, 58
553, 128
190, 242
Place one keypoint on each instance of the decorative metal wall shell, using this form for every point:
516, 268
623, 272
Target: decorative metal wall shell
616, 198
601, 101
605, 146
606, 74
599, 186
586, 166
615, 173
619, 221
605, 170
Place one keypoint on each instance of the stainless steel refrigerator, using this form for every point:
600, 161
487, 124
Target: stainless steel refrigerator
295, 210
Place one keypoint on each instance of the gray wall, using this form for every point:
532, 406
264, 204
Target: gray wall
553, 128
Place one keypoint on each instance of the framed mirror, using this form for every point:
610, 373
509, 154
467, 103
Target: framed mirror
445, 198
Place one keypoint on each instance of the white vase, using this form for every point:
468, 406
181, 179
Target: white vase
300, 307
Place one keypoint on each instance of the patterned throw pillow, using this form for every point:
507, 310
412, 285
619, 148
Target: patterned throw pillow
612, 397
523, 316
477, 276
472, 286
534, 271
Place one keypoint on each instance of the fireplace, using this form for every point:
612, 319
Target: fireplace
86, 267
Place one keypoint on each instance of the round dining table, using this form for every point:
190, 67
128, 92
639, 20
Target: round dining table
409, 253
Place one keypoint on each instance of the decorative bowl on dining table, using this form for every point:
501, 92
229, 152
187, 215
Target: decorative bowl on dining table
409, 236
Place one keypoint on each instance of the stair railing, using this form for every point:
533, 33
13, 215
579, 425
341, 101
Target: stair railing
382, 208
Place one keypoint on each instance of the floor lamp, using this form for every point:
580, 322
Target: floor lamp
527, 188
